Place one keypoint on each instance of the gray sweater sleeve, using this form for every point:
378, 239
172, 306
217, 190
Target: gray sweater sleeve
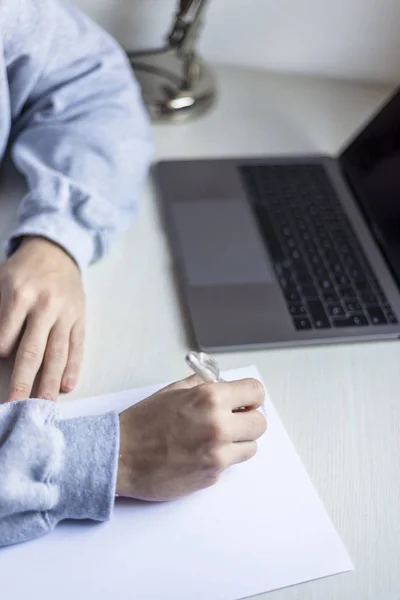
52, 470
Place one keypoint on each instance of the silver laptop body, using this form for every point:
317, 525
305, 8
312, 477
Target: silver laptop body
265, 247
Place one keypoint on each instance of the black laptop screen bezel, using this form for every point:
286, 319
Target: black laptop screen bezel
364, 164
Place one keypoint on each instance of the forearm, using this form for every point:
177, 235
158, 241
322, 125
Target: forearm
51, 470
82, 138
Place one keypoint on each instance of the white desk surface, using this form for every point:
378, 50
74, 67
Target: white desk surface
340, 404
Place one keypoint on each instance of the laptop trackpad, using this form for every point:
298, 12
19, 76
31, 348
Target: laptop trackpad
220, 243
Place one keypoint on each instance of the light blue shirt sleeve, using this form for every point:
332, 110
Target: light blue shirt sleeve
80, 133
51, 470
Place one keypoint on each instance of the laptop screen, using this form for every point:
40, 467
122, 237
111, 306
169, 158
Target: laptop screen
371, 165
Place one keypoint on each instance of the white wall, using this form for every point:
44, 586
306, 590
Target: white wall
351, 38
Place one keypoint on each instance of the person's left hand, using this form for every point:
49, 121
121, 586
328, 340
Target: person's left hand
42, 311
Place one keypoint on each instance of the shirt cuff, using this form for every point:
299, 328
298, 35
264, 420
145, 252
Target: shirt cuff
89, 473
61, 229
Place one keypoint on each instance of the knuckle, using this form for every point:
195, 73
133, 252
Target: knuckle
263, 424
252, 450
77, 345
209, 395
216, 430
29, 353
249, 452
5, 350
57, 354
47, 302
20, 389
215, 462
7, 279
257, 388
20, 294
259, 425
69, 314
51, 386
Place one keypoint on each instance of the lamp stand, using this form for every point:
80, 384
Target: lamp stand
176, 83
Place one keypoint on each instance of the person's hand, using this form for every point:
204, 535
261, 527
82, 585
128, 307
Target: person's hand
182, 438
41, 313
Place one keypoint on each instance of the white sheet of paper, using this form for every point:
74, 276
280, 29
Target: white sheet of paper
262, 527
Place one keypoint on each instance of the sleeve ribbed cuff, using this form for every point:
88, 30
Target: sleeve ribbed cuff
60, 229
89, 472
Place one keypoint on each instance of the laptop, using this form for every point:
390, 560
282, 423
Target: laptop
290, 250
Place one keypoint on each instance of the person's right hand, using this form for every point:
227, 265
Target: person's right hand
182, 438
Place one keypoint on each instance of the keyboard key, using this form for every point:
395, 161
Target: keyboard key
336, 310
377, 290
337, 269
317, 222
309, 291
356, 274
326, 244
311, 249
315, 260
302, 225
369, 299
363, 287
299, 266
278, 210
283, 221
330, 297
326, 284
303, 277
321, 273
353, 306
323, 236
279, 270
353, 321
302, 324
334, 226
305, 236
383, 301
297, 309
376, 316
292, 294
318, 314
341, 280
344, 249
391, 317
348, 292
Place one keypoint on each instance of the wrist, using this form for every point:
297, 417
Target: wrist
45, 246
121, 481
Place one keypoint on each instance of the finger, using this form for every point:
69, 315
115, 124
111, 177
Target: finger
75, 356
248, 426
29, 357
237, 394
55, 359
12, 319
184, 384
230, 454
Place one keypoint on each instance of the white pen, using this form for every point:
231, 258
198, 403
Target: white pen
204, 366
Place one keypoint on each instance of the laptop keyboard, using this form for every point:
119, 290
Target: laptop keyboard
322, 270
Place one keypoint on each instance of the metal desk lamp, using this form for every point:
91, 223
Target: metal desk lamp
175, 82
